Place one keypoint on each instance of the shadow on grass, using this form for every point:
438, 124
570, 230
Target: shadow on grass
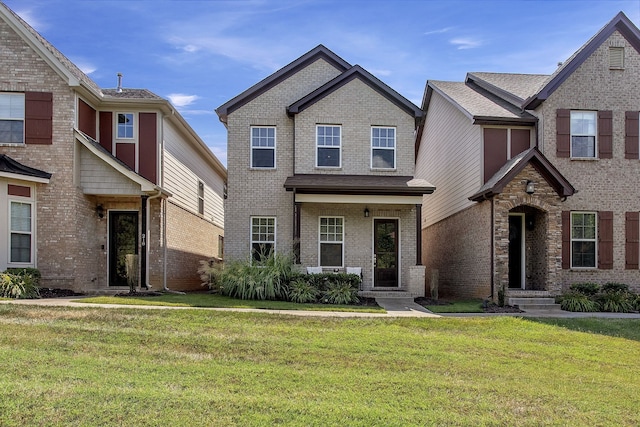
621, 328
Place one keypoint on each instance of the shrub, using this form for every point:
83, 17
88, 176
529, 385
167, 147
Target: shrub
341, 290
265, 280
210, 271
615, 287
576, 301
588, 289
302, 291
635, 302
616, 302
18, 285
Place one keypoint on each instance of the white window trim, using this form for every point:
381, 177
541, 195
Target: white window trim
595, 139
595, 240
23, 119
275, 234
32, 233
338, 147
134, 128
395, 145
320, 241
201, 197
274, 148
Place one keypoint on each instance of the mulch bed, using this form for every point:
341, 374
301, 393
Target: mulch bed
57, 293
489, 308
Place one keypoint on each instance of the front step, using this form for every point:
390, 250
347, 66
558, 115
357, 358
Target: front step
386, 294
548, 304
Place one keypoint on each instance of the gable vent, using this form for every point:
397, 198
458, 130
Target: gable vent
616, 58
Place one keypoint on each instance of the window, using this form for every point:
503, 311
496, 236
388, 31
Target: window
583, 239
616, 58
221, 247
263, 237
263, 147
200, 197
20, 226
11, 118
331, 241
328, 143
125, 126
383, 148
583, 134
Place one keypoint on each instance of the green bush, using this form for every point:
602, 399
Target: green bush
635, 302
340, 292
302, 291
210, 271
19, 285
614, 288
616, 302
265, 280
576, 301
588, 289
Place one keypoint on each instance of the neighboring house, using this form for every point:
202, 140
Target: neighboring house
321, 161
90, 177
536, 175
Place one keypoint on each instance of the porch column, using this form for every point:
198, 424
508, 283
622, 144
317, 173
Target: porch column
418, 234
296, 233
143, 244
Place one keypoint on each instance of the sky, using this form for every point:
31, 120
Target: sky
201, 53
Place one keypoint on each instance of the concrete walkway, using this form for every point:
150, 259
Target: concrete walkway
395, 307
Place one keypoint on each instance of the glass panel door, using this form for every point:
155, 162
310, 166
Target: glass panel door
385, 253
123, 244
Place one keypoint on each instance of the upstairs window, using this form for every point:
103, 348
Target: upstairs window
328, 143
616, 58
583, 134
263, 238
201, 197
263, 147
125, 126
11, 118
583, 240
383, 148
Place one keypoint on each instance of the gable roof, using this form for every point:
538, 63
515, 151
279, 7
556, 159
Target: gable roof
11, 168
619, 23
355, 72
319, 52
513, 88
513, 167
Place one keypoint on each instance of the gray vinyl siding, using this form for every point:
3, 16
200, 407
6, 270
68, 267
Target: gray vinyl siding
449, 158
97, 177
183, 167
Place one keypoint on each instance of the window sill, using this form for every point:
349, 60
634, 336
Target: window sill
12, 144
324, 168
261, 169
383, 169
585, 159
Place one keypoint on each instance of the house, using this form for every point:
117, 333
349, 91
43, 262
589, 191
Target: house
536, 174
93, 180
321, 168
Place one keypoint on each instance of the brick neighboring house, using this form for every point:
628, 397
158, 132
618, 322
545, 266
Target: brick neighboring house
321, 161
90, 175
536, 174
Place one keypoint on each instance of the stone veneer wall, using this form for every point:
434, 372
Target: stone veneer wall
459, 247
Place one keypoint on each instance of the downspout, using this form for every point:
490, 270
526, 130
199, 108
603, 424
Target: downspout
143, 244
493, 249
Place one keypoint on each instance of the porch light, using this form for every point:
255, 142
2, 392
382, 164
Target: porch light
100, 211
366, 212
530, 187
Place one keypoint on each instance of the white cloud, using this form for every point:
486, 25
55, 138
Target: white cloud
84, 65
32, 20
439, 31
465, 43
182, 100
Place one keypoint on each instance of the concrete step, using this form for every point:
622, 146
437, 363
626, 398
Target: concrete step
386, 294
545, 307
534, 300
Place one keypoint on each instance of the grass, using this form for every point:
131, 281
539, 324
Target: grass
220, 301
99, 366
471, 306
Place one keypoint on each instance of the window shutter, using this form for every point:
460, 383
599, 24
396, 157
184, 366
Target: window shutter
148, 156
631, 135
38, 118
106, 130
563, 133
632, 240
566, 240
605, 240
605, 134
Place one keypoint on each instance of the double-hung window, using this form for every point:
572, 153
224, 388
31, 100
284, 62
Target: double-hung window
583, 134
383, 148
125, 126
21, 230
201, 197
11, 118
263, 147
263, 237
331, 241
583, 239
328, 143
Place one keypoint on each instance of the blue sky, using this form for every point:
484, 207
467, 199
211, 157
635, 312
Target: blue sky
200, 54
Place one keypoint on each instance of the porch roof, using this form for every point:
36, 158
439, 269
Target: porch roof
508, 172
11, 168
358, 185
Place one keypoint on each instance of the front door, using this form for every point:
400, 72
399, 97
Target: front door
385, 253
123, 246
516, 251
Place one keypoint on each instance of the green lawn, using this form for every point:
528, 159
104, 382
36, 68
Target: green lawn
99, 366
470, 306
220, 301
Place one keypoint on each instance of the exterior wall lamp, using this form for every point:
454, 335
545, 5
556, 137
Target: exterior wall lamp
366, 212
100, 211
530, 187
